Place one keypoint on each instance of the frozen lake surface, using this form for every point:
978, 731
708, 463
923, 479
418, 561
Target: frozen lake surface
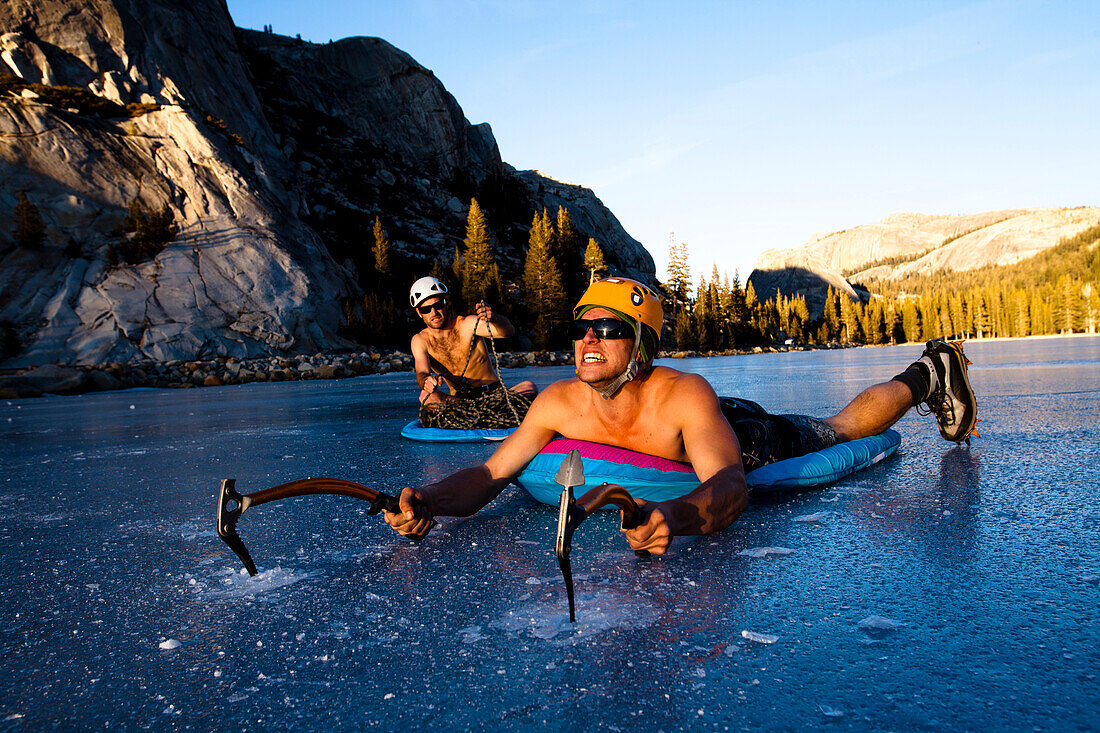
944, 589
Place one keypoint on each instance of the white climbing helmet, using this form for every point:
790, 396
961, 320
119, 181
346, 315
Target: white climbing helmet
424, 288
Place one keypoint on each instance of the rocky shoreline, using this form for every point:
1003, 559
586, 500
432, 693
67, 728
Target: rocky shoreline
71, 380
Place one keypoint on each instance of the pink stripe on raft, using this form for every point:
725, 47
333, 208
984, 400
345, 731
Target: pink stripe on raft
601, 452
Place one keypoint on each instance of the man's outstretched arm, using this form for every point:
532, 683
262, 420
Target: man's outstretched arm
465, 492
712, 448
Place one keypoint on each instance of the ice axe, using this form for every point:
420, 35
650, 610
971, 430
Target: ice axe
571, 512
231, 504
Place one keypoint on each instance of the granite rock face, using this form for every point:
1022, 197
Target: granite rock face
263, 173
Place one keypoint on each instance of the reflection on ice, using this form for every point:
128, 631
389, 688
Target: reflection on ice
228, 583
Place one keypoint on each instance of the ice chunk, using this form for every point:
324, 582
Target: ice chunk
879, 623
765, 551
815, 517
760, 638
471, 634
170, 644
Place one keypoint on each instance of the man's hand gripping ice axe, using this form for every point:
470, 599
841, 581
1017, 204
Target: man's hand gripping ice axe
231, 504
572, 512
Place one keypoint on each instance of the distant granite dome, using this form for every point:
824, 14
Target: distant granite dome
271, 153
913, 244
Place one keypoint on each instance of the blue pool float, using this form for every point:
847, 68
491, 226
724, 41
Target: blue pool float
414, 431
659, 479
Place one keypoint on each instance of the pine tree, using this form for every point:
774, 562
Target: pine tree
832, 315
568, 249
381, 249
480, 272
1068, 309
849, 319
594, 261
679, 273
738, 312
29, 230
683, 330
542, 279
910, 321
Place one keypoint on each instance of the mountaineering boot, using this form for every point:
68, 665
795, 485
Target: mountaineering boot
950, 398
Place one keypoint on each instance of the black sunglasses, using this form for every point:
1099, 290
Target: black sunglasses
426, 309
604, 328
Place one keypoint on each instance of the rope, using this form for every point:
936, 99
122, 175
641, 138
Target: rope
484, 411
487, 411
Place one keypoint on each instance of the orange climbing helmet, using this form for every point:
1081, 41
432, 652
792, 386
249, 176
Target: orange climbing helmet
627, 296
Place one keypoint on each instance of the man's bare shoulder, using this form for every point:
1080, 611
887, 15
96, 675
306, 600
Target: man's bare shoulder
563, 393
672, 392
670, 380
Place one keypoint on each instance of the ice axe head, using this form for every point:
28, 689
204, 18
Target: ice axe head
230, 506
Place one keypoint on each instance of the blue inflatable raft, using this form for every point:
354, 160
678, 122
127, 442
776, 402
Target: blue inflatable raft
659, 479
414, 431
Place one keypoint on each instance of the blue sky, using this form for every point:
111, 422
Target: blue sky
744, 126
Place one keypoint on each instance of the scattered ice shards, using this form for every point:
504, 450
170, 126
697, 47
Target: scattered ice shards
765, 551
169, 644
815, 517
759, 638
597, 612
831, 712
879, 624
229, 583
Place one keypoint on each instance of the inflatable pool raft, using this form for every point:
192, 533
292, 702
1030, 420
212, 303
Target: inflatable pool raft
659, 479
414, 431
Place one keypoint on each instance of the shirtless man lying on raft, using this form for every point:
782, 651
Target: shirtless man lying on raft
442, 353
620, 399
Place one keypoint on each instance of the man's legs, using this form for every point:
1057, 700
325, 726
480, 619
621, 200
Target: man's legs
938, 380
872, 411
526, 387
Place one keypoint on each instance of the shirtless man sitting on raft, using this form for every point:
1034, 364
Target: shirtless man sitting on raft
620, 399
442, 353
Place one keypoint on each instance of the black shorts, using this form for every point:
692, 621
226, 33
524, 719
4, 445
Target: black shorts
473, 393
767, 438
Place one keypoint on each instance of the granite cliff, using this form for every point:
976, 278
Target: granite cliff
272, 154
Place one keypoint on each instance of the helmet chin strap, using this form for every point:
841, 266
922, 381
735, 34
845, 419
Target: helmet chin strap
631, 370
